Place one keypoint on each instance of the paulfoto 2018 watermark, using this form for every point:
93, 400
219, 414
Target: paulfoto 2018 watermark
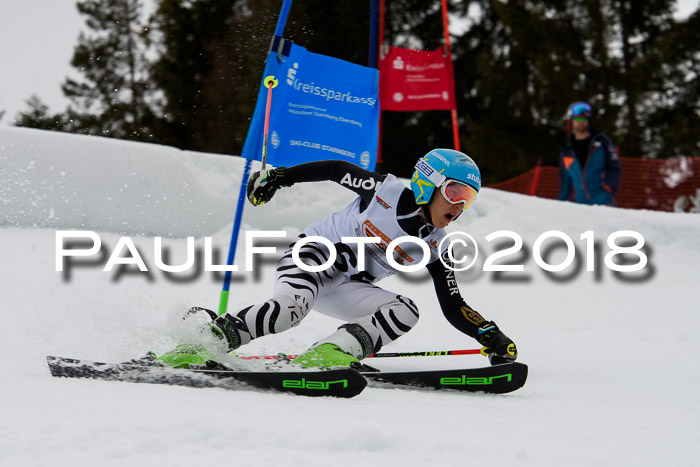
626, 243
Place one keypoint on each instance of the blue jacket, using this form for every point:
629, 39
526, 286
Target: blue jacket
599, 180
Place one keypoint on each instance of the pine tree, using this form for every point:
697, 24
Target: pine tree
212, 56
211, 59
639, 24
672, 100
37, 116
518, 65
114, 98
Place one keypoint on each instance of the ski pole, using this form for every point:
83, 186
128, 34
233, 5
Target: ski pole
269, 82
428, 353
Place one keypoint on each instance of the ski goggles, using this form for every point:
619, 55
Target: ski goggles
580, 118
580, 109
457, 192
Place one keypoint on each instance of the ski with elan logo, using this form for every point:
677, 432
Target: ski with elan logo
336, 382
497, 379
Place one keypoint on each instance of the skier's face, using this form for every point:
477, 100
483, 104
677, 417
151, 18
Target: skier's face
442, 212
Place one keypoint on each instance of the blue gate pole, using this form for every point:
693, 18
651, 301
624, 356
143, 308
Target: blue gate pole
282, 20
223, 298
374, 34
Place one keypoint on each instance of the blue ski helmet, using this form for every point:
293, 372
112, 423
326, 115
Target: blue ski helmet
579, 109
440, 165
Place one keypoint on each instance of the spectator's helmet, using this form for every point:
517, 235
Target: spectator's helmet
578, 109
455, 173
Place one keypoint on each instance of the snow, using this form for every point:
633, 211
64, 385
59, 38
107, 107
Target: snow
612, 378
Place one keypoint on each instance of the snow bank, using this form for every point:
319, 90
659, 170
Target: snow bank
609, 384
62, 180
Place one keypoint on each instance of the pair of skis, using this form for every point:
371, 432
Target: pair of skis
336, 382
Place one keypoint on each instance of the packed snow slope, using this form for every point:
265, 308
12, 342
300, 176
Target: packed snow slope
613, 377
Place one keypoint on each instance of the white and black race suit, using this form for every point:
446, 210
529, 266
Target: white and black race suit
385, 208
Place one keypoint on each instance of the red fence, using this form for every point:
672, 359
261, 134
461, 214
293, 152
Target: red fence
657, 184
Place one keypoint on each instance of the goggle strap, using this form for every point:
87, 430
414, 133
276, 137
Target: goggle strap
435, 177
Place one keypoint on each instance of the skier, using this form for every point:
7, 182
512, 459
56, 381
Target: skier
444, 184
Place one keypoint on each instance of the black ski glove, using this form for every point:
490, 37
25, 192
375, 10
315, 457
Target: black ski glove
263, 184
499, 347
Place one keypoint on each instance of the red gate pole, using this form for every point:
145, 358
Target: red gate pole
445, 25
382, 12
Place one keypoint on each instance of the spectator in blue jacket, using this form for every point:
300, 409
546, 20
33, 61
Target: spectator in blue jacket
588, 163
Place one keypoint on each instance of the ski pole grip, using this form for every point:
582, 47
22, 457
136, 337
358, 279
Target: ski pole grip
270, 82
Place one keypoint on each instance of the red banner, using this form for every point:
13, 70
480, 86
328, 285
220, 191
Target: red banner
411, 80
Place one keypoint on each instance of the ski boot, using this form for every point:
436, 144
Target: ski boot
195, 356
344, 348
497, 346
224, 327
326, 356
